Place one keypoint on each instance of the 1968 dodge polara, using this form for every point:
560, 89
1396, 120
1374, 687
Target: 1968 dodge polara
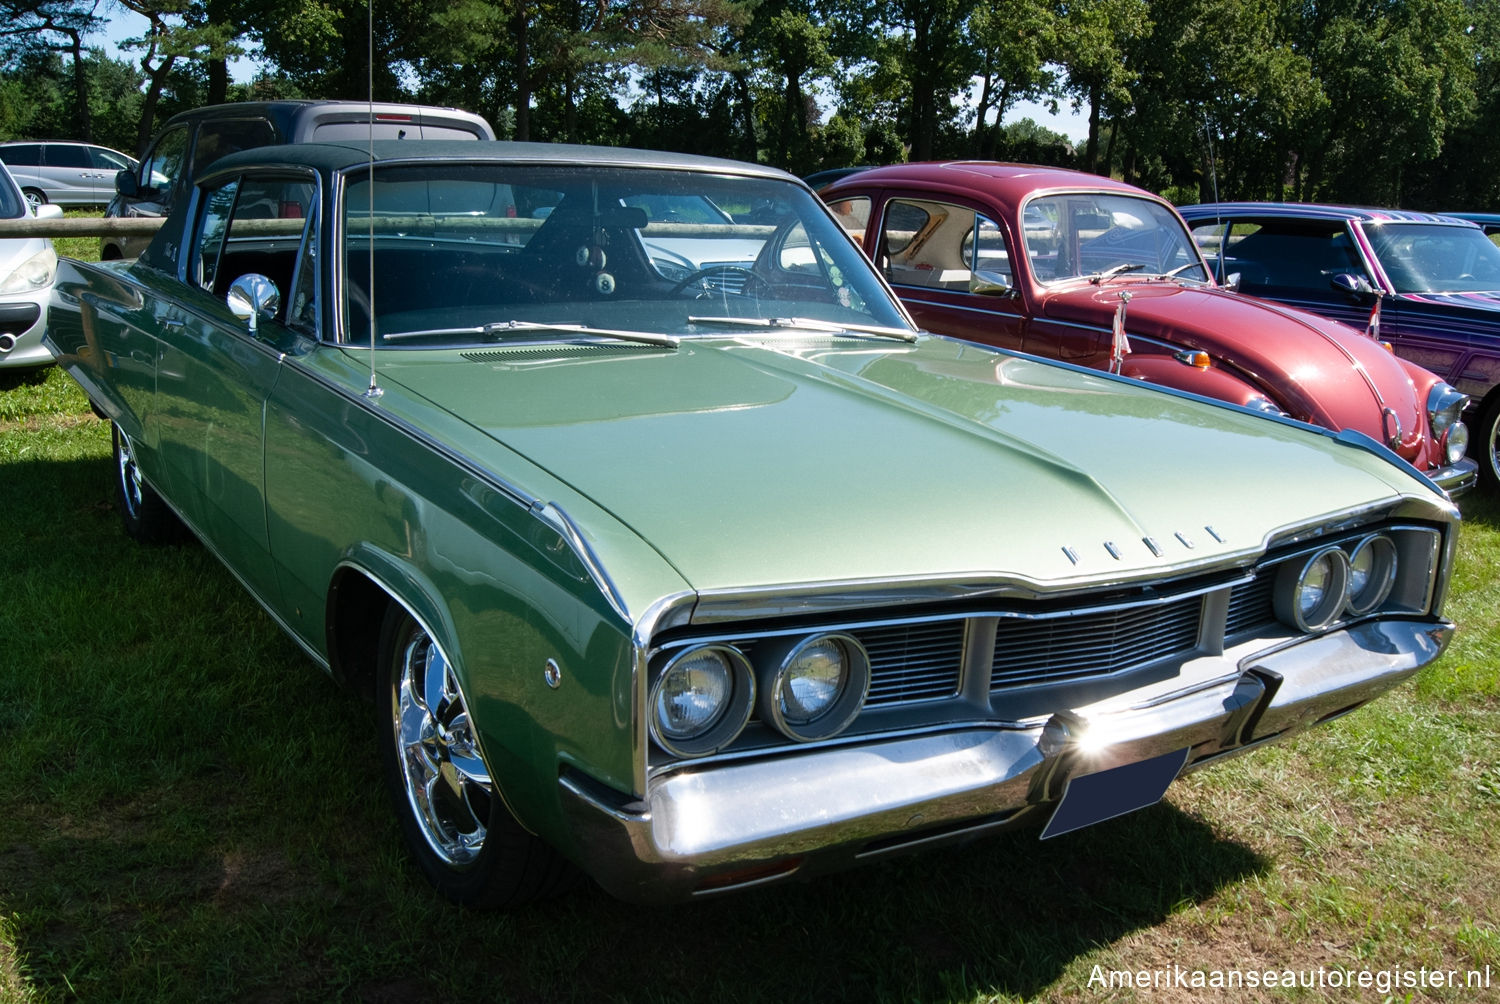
671, 551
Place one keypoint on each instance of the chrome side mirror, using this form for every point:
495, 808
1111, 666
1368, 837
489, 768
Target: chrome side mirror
1231, 282
989, 284
251, 297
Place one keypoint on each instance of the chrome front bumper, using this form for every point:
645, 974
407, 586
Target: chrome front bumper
1457, 478
731, 825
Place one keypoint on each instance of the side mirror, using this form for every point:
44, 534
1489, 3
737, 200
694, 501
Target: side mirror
1355, 286
49, 211
127, 185
251, 297
1231, 282
989, 284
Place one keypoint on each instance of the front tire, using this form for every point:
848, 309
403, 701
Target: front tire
454, 820
144, 514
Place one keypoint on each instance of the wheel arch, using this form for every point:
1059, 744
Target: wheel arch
362, 589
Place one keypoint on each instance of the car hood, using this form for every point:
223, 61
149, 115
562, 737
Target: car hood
747, 466
1316, 369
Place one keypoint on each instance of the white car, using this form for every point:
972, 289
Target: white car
27, 267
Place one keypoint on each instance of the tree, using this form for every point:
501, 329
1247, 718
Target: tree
55, 26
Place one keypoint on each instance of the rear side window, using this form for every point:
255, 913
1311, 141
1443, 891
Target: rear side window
220, 139
22, 155
64, 155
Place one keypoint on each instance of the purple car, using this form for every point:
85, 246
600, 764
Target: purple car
1428, 284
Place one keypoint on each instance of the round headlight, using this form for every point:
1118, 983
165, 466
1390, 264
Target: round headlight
1311, 593
816, 687
1372, 573
702, 700
1456, 443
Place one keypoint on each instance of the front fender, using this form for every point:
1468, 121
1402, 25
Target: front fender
1212, 382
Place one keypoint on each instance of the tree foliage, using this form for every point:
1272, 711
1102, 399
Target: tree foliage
1347, 100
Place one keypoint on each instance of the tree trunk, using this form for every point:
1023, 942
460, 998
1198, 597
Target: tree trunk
1091, 152
157, 79
750, 146
82, 121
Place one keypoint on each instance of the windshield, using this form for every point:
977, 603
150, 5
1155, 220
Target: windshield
1088, 234
12, 206
1427, 258
480, 252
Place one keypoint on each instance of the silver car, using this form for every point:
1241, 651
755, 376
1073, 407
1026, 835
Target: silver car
27, 267
68, 174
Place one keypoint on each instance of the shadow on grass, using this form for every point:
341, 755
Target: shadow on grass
191, 811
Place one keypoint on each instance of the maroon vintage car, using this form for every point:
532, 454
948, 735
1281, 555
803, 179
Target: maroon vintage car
1081, 268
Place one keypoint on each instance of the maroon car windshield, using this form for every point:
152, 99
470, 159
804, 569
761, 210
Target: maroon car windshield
1085, 234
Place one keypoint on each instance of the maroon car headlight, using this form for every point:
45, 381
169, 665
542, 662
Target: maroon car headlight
1445, 408
813, 688
1312, 592
701, 700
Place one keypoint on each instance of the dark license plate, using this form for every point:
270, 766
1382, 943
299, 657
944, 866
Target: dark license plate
1093, 798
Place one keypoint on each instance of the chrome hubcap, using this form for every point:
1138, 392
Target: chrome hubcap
447, 783
130, 474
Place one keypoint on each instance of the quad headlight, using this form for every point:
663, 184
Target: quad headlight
813, 687
1350, 579
1445, 408
702, 700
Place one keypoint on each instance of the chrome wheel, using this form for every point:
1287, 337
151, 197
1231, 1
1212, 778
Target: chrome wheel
35, 199
130, 475
1484, 446
145, 516
446, 781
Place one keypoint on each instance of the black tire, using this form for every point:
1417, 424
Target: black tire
35, 198
145, 516
456, 825
1484, 441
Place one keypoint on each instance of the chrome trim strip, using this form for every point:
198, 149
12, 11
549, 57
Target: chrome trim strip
556, 517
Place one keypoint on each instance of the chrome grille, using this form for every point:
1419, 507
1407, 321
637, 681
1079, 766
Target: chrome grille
1051, 649
913, 662
1251, 604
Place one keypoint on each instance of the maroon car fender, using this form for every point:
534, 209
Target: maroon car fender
1170, 372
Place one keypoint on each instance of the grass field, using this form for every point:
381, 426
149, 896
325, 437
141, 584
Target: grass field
190, 810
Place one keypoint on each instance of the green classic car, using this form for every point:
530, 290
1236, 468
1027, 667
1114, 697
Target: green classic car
671, 551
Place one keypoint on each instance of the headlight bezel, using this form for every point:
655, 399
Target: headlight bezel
776, 665
730, 720
1445, 408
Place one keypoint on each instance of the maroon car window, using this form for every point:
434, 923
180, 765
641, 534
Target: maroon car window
853, 215
932, 244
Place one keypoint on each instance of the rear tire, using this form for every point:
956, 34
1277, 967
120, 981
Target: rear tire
455, 822
35, 198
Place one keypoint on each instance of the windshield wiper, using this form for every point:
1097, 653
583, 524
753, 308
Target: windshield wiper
1110, 273
499, 329
809, 324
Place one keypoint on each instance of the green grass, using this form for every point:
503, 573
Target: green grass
189, 810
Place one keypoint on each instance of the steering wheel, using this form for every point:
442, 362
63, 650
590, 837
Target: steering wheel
712, 270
